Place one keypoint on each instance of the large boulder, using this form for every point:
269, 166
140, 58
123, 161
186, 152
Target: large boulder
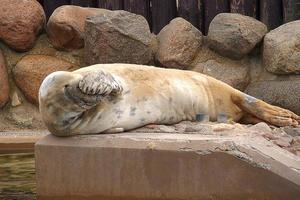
20, 23
118, 37
31, 70
281, 53
285, 94
4, 87
234, 74
178, 44
235, 35
65, 27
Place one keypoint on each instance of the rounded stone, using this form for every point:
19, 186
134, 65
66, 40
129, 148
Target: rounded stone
4, 86
234, 74
285, 94
178, 44
281, 52
118, 37
20, 23
235, 35
31, 70
65, 27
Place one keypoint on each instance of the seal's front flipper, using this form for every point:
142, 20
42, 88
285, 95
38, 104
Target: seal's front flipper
99, 83
91, 88
272, 114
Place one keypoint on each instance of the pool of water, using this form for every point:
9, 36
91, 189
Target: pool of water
17, 177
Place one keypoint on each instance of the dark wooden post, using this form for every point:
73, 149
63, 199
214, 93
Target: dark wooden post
84, 3
245, 7
271, 13
140, 7
192, 11
212, 8
41, 2
291, 10
163, 11
51, 5
111, 4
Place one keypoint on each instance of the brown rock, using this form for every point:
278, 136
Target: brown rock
178, 44
4, 87
32, 69
20, 23
285, 94
235, 35
118, 37
65, 27
233, 74
42, 47
281, 54
283, 142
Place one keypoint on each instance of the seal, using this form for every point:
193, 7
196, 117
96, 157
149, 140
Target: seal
109, 98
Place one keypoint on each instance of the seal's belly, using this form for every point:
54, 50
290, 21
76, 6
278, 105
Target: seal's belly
161, 96
168, 102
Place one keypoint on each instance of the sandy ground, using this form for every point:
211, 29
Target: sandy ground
24, 117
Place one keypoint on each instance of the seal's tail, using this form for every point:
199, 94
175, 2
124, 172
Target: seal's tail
260, 110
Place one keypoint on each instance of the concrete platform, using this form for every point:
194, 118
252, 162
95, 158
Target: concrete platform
19, 141
165, 166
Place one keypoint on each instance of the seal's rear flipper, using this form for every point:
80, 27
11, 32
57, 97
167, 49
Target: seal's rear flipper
272, 114
250, 119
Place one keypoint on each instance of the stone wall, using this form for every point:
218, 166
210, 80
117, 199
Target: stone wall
237, 50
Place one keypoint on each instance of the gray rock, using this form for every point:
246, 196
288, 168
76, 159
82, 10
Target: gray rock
235, 35
118, 37
178, 43
235, 75
285, 94
292, 131
281, 53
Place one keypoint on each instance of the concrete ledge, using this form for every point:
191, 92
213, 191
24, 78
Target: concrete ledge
165, 166
19, 141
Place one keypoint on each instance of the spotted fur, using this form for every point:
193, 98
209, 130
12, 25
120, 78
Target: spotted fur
92, 99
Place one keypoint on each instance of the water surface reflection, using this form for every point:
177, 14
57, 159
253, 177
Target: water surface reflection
17, 177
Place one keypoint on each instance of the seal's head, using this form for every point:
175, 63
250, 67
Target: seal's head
53, 81
54, 105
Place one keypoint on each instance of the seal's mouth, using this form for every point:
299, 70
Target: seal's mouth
69, 121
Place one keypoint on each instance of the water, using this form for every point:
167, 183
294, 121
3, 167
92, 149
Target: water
17, 177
